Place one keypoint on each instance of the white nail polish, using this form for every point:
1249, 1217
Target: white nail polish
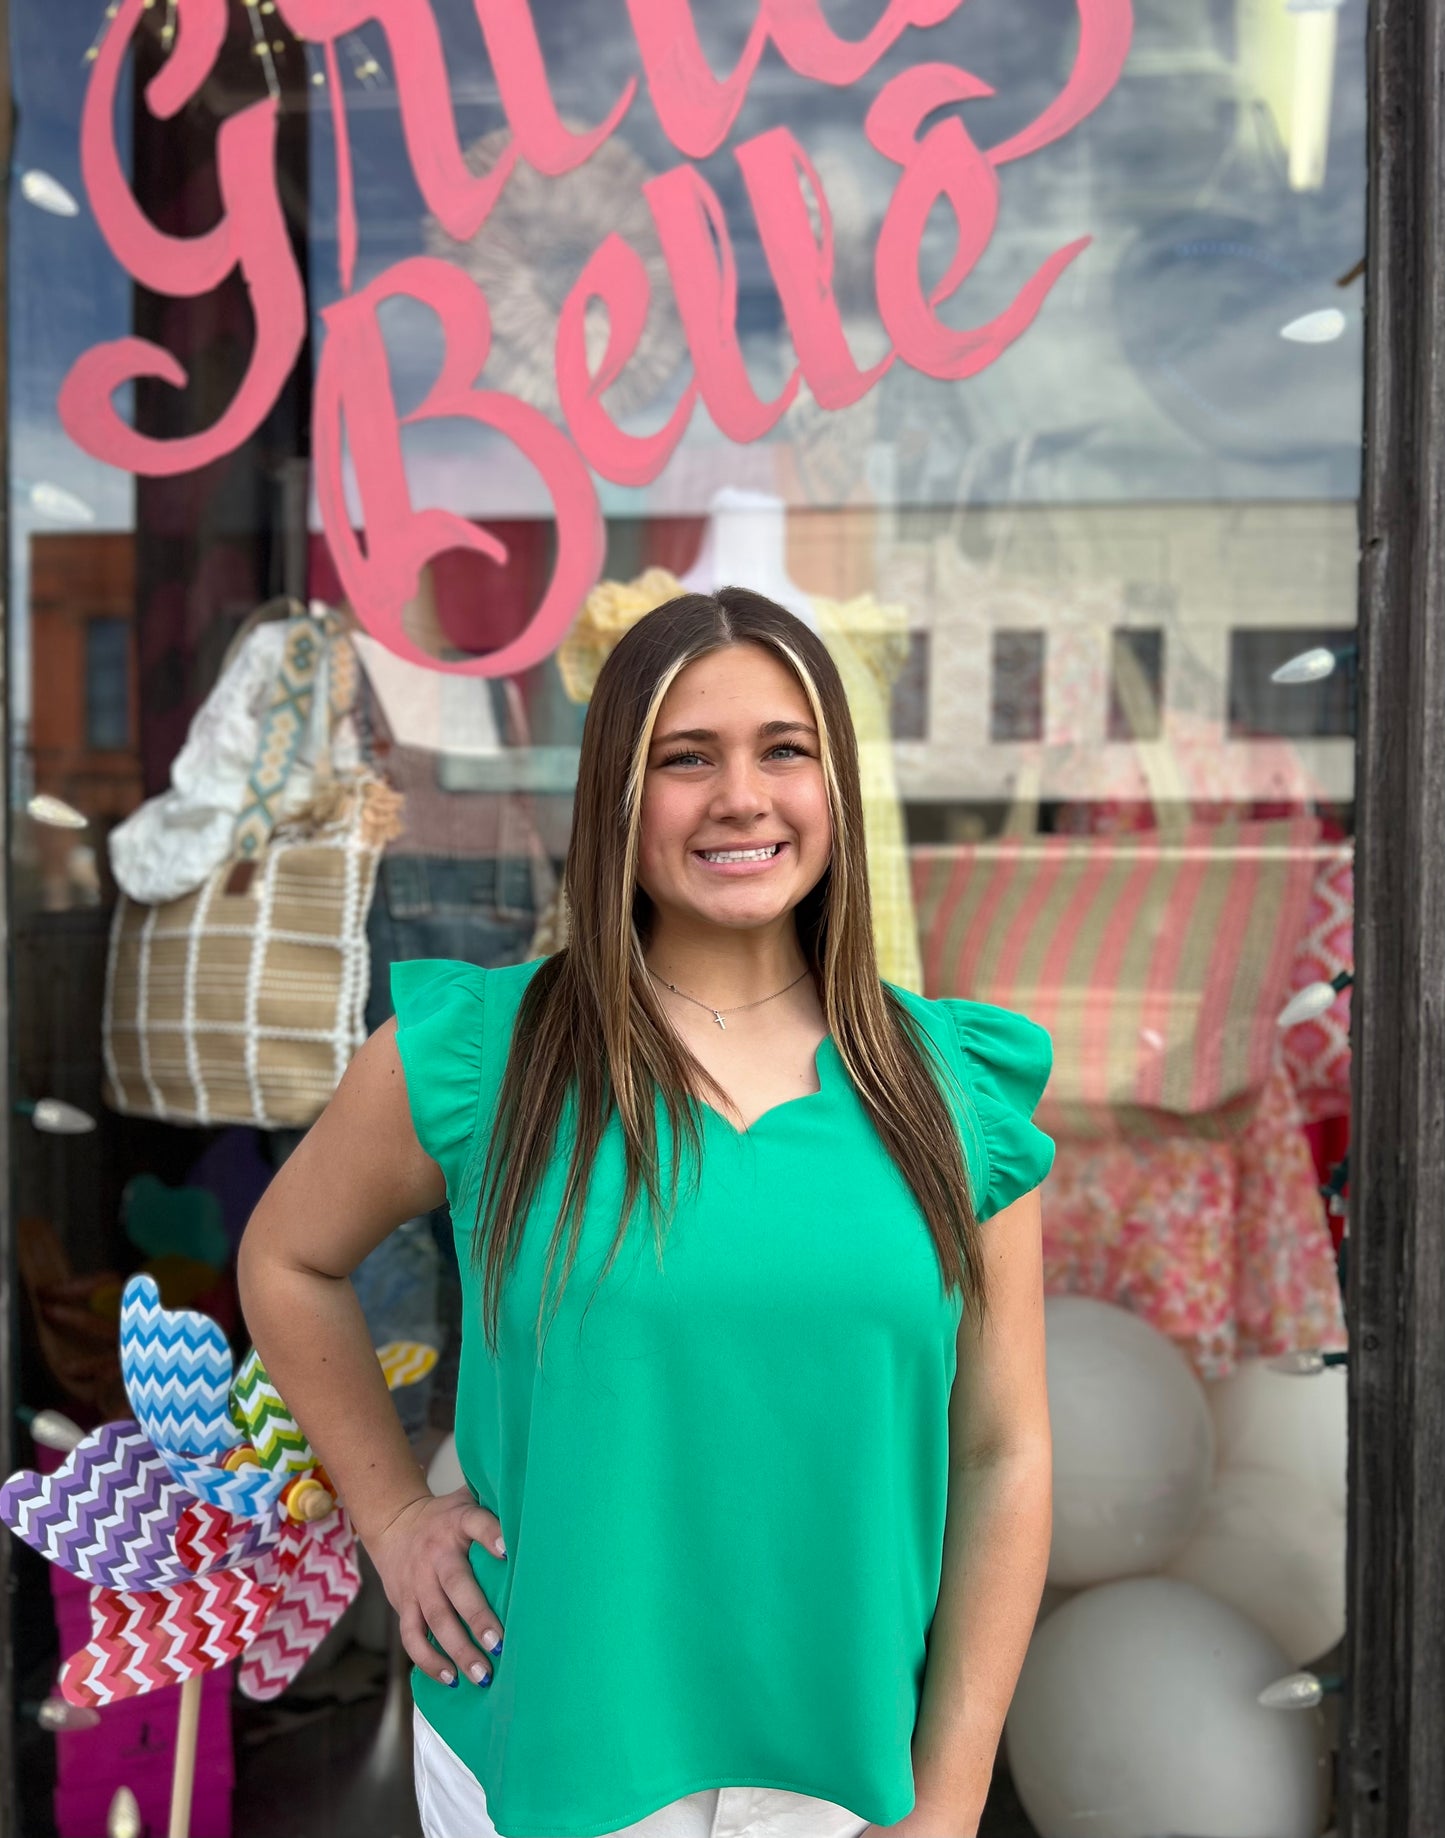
478, 1673
447, 1677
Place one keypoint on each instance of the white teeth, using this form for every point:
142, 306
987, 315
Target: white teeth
741, 855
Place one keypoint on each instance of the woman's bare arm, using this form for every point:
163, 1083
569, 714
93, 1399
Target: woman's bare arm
357, 1174
997, 1536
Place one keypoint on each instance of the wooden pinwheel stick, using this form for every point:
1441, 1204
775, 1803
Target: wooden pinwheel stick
183, 1779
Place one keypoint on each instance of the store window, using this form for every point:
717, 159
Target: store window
1020, 356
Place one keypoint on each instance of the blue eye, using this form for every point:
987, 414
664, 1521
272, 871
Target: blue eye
783, 746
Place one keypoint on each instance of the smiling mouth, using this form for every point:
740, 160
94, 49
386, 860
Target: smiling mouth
763, 854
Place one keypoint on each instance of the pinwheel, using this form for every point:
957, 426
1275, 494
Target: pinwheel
206, 1527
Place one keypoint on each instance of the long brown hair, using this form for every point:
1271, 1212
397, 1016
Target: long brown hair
590, 1021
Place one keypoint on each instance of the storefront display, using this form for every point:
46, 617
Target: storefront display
375, 368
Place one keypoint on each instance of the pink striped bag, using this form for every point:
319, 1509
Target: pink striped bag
1158, 961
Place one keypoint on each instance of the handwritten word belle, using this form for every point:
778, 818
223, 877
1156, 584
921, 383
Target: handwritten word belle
353, 402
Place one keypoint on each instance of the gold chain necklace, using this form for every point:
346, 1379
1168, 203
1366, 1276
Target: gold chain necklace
718, 1013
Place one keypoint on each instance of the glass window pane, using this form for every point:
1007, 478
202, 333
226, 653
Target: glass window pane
1020, 360
1018, 686
107, 683
1136, 684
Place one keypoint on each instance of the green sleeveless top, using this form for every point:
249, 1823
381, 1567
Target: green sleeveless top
723, 1493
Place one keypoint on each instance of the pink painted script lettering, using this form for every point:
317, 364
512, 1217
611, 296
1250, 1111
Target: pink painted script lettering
914, 122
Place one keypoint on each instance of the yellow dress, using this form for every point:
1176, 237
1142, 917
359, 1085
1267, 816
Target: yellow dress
868, 641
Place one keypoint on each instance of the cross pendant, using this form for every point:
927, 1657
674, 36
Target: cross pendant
719, 1020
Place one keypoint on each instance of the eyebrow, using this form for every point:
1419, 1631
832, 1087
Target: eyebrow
766, 731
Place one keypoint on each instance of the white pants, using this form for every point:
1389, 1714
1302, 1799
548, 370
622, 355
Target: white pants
453, 1805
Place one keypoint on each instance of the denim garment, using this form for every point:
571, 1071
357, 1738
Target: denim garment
477, 910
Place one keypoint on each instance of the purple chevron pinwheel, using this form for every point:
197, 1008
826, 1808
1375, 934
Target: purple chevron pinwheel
114, 1515
206, 1528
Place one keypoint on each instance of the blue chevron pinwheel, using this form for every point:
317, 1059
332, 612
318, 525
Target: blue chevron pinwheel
178, 1372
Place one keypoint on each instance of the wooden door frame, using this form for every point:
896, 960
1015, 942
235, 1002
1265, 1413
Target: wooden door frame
9, 1341
1392, 1761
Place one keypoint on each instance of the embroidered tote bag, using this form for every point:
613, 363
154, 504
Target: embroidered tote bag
243, 1000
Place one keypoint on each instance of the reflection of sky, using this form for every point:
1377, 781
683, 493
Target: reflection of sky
1156, 370
66, 294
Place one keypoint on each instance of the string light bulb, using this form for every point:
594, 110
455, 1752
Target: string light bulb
123, 1820
1314, 1000
1322, 327
1312, 666
46, 193
52, 1429
56, 1715
55, 501
1308, 1363
54, 1117
1299, 1691
55, 812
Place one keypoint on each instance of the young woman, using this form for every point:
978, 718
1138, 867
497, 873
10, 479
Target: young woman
752, 1403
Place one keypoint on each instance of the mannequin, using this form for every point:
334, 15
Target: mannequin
423, 708
745, 545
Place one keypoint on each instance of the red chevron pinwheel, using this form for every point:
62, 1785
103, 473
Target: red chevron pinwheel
206, 1528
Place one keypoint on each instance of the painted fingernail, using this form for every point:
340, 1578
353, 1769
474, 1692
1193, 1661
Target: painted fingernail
498, 1647
479, 1674
447, 1677
501, 1547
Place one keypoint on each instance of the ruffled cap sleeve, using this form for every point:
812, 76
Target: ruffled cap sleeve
1007, 1060
439, 1007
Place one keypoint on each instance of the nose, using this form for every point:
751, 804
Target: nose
740, 793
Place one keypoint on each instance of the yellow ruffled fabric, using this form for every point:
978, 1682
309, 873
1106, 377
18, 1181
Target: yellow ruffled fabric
868, 641
611, 609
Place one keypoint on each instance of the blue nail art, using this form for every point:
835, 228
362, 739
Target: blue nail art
486, 1681
452, 1683
497, 1648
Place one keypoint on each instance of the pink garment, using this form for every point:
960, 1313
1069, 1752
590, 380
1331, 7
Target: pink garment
1223, 1246
1318, 1052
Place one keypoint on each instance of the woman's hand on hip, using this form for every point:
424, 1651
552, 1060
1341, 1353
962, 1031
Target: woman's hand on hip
422, 1557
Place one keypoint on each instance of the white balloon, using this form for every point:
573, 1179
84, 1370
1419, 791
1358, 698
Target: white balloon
1265, 1419
1133, 1443
1275, 1549
444, 1475
1136, 1714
